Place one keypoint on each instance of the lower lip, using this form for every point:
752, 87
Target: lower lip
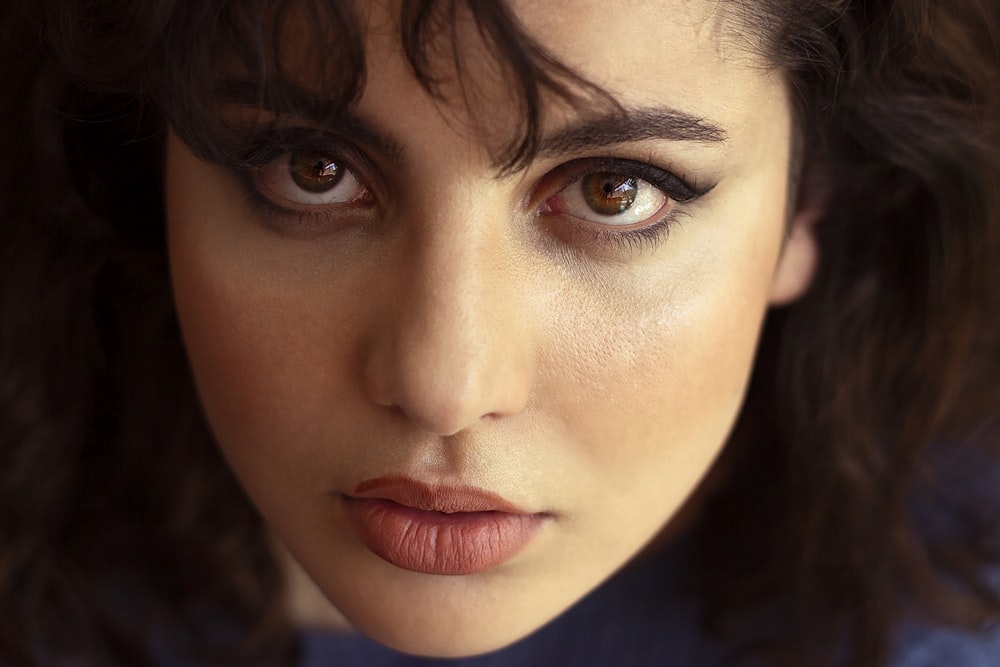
437, 542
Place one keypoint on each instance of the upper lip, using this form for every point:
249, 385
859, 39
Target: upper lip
434, 498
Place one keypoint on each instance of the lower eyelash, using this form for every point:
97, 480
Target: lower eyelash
633, 241
274, 216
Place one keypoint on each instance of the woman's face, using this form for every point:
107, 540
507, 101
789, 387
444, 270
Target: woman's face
464, 399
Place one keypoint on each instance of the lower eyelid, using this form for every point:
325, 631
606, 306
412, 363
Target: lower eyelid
303, 223
600, 239
647, 210
306, 223
561, 200
272, 192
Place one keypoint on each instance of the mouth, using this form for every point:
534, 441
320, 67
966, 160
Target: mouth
446, 530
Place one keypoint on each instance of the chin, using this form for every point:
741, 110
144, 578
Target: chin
445, 616
464, 629
445, 642
437, 636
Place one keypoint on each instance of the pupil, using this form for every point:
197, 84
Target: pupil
313, 171
608, 193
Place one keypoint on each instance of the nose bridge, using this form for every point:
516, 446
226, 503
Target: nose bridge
446, 356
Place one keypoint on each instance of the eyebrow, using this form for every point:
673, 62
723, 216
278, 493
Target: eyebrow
357, 128
631, 125
619, 126
312, 109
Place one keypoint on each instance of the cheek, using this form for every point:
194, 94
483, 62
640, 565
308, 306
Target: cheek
649, 373
648, 400
269, 358
273, 369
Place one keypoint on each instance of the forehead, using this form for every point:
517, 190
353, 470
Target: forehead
689, 55
603, 39
694, 56
591, 28
672, 50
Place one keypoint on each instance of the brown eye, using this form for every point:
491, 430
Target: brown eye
311, 178
314, 171
615, 198
609, 193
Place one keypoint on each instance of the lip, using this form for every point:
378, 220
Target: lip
448, 530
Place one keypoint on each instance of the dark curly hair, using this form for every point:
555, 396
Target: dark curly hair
862, 480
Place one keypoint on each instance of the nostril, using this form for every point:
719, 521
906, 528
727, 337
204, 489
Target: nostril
379, 392
442, 413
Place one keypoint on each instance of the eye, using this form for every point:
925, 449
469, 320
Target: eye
310, 178
619, 193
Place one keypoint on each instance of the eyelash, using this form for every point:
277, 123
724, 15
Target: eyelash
268, 146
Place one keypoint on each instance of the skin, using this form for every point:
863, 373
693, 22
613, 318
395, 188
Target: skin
454, 334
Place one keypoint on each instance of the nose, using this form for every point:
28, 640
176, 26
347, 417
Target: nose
451, 346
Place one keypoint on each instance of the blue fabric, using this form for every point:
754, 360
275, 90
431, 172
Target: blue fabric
922, 646
643, 616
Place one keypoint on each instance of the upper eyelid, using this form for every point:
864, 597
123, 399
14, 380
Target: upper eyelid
269, 144
675, 185
302, 136
262, 147
282, 142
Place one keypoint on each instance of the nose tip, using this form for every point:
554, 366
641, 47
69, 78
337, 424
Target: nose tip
439, 403
450, 345
444, 380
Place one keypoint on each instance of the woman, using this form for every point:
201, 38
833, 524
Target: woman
472, 295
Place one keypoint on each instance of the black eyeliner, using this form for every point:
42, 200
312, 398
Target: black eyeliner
678, 188
262, 147
647, 237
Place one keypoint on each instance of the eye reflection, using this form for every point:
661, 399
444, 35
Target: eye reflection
314, 171
610, 198
310, 178
608, 193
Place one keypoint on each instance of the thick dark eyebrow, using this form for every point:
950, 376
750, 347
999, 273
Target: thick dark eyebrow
361, 131
630, 125
312, 109
620, 126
